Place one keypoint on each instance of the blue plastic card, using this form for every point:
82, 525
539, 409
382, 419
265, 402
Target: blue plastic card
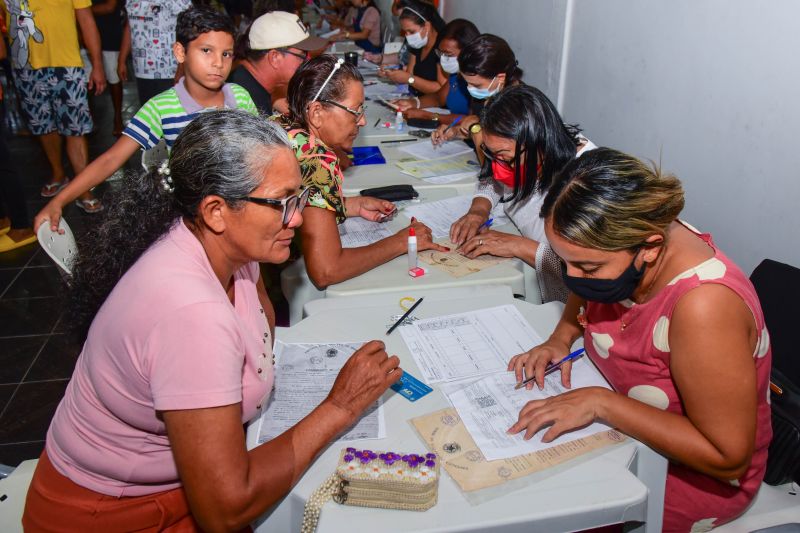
367, 155
410, 387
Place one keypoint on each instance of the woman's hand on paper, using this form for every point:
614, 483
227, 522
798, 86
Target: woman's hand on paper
424, 237
572, 410
404, 104
534, 362
494, 243
442, 134
369, 208
467, 227
363, 378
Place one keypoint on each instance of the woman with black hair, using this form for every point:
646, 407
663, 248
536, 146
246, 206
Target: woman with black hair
326, 110
453, 95
178, 333
488, 65
525, 144
362, 25
421, 24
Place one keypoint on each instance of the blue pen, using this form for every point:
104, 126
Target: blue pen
552, 366
487, 224
456, 121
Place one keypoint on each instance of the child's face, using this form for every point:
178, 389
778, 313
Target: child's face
207, 60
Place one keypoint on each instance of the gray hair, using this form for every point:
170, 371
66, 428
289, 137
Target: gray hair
222, 153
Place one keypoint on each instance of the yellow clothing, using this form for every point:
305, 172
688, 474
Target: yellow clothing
44, 33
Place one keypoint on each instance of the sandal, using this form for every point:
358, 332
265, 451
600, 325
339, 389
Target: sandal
8, 244
90, 206
51, 189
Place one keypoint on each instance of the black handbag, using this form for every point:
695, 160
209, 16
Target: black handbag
783, 461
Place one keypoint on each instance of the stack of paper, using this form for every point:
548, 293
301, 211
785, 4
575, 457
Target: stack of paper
356, 231
465, 162
304, 375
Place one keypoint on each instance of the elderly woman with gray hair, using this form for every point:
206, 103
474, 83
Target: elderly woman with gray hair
178, 347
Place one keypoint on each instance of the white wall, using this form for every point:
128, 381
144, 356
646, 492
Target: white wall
534, 29
710, 88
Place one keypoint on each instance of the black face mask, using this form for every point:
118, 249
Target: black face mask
607, 291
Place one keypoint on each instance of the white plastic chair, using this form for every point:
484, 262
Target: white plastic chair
154, 156
62, 249
774, 509
13, 491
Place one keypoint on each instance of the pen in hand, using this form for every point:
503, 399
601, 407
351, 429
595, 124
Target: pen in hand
552, 367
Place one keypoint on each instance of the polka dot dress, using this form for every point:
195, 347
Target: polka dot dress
630, 345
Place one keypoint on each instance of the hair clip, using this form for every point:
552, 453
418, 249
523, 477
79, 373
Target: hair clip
336, 67
166, 179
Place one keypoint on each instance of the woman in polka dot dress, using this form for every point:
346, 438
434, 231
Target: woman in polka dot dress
672, 323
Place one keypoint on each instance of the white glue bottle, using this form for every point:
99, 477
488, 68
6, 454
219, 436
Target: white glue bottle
412, 249
399, 123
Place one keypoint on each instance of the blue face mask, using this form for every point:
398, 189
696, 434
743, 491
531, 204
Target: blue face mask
483, 94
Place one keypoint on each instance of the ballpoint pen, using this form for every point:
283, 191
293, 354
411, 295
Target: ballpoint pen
405, 315
456, 121
487, 224
377, 122
399, 141
551, 367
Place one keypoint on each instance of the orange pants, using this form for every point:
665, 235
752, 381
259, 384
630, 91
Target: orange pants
56, 503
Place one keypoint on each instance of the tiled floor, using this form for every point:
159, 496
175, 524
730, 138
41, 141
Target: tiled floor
36, 357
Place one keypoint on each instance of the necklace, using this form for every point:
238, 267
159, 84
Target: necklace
622, 323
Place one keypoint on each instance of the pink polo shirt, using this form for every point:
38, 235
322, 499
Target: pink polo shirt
166, 338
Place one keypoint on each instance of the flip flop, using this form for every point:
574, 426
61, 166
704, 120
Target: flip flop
8, 244
51, 189
90, 206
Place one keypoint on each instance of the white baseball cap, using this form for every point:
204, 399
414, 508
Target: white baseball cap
279, 29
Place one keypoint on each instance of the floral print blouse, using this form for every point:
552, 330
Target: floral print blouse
319, 169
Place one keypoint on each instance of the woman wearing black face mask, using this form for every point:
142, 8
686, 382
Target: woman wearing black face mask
674, 326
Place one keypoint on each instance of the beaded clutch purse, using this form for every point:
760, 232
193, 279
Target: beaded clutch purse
387, 480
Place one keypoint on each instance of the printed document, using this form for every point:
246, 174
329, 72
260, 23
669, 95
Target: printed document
476, 343
442, 166
426, 149
441, 214
491, 405
304, 375
357, 231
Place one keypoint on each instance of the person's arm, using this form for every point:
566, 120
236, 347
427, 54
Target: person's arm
124, 52
94, 174
328, 263
106, 8
501, 244
227, 486
91, 38
421, 84
467, 226
712, 338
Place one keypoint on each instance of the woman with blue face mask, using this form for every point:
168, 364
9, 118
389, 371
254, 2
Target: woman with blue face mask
452, 95
488, 65
421, 25
674, 326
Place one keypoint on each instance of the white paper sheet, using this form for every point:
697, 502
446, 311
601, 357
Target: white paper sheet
490, 405
441, 166
427, 150
330, 34
304, 375
356, 231
476, 343
441, 214
449, 178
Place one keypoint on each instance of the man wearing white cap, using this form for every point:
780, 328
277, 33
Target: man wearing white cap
274, 47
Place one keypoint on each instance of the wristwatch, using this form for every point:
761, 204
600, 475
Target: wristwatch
475, 128
436, 117
411, 80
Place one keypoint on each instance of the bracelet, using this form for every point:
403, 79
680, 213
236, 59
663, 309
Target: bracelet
416, 99
436, 117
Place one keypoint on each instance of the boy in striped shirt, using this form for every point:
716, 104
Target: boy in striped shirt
204, 46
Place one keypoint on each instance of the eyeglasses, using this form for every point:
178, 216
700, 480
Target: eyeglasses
502, 162
358, 113
439, 53
290, 205
305, 57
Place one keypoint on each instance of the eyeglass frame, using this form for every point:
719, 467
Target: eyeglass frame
305, 57
358, 114
286, 215
510, 165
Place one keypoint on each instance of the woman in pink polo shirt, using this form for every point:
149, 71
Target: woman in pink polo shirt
178, 347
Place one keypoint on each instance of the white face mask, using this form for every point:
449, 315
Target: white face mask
416, 40
449, 64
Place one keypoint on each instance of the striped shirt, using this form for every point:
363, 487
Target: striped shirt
166, 114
